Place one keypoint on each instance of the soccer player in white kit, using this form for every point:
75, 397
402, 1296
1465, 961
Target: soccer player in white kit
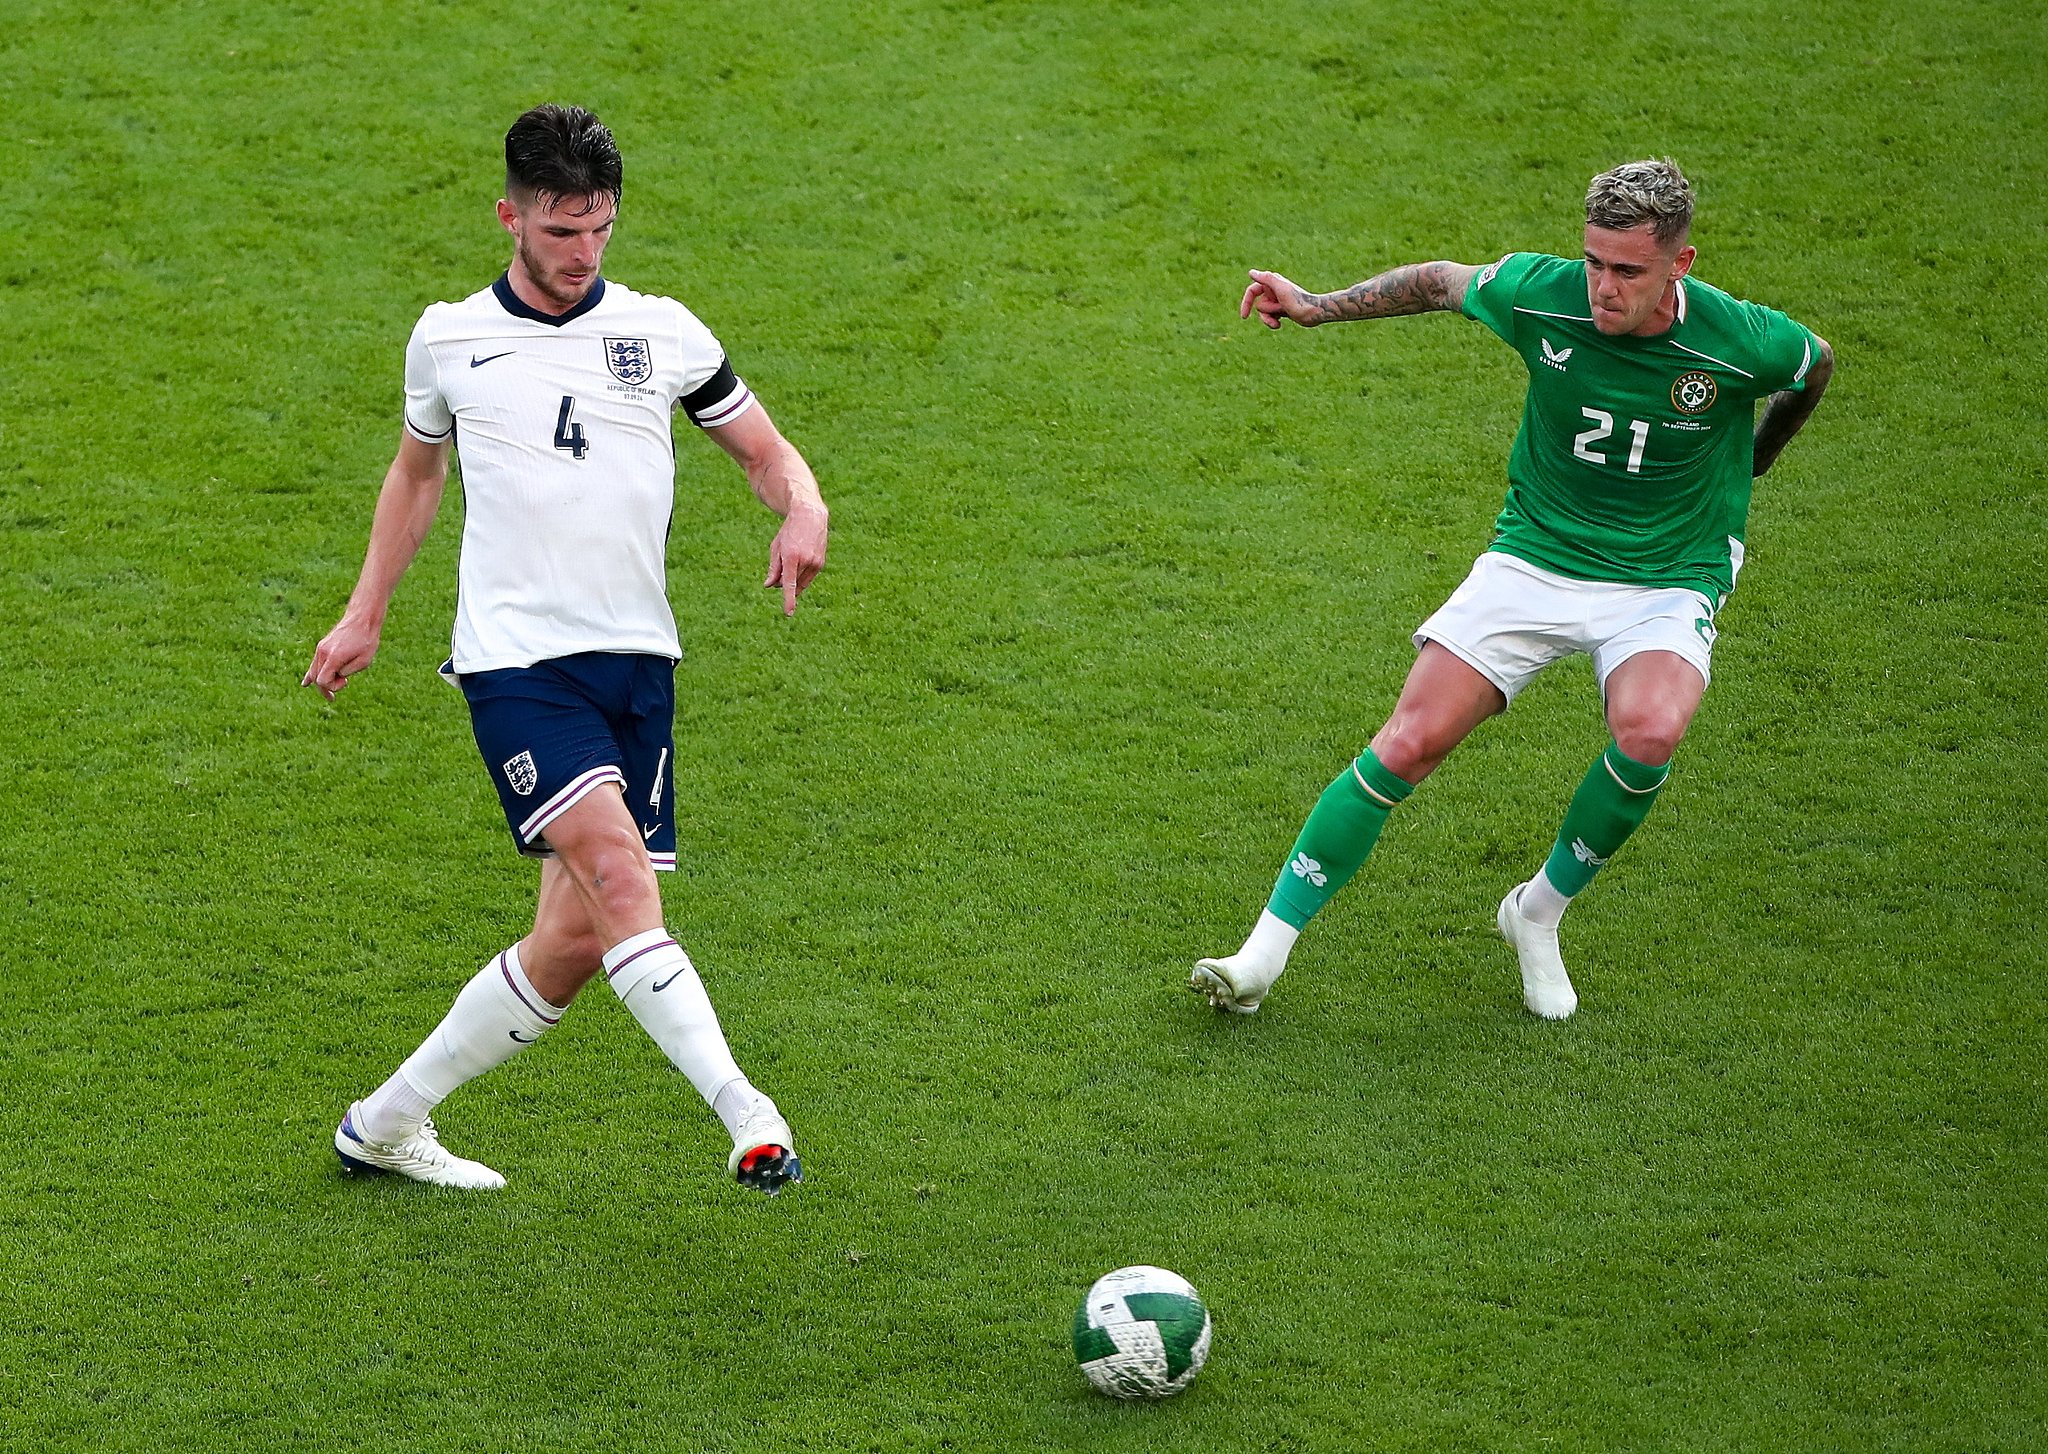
560, 387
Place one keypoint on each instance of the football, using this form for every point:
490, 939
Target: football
1141, 1332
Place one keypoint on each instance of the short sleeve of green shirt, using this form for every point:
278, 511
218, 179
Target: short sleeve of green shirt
1491, 298
1785, 350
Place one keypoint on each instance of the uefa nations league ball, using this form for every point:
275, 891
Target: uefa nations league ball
1141, 1332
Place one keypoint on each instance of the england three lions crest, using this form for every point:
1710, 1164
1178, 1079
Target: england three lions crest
629, 360
521, 775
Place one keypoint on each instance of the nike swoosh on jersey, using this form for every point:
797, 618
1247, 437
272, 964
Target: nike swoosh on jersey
477, 363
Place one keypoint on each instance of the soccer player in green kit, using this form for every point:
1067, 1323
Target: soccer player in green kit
1628, 489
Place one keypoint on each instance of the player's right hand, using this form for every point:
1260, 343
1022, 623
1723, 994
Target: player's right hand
1273, 298
342, 652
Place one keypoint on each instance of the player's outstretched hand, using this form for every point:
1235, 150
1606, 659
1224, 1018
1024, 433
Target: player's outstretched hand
1273, 298
796, 555
342, 652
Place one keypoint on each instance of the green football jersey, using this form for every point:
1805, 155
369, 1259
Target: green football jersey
1633, 461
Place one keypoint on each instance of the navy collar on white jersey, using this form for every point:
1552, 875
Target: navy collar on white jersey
519, 308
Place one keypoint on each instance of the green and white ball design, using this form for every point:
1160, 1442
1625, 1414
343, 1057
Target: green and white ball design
1141, 1332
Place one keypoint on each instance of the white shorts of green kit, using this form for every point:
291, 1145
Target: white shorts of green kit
1510, 619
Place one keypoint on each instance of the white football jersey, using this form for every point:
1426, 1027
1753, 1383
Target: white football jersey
568, 465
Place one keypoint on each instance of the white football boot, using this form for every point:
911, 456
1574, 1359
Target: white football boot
1546, 988
1231, 984
764, 1151
420, 1156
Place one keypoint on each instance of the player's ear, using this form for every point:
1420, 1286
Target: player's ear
507, 215
1682, 264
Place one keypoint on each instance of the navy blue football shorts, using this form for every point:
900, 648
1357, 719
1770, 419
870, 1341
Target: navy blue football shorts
555, 731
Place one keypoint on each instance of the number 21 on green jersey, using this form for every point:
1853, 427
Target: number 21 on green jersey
1603, 425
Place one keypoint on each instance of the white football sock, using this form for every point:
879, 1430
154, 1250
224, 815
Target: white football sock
735, 1101
391, 1112
1272, 940
497, 1015
1541, 903
656, 981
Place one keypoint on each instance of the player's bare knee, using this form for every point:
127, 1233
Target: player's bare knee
620, 896
618, 878
1410, 746
1651, 734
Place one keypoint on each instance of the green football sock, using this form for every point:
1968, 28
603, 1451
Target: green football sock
1611, 802
1340, 832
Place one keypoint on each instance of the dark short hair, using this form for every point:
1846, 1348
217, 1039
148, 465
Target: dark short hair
1634, 193
554, 151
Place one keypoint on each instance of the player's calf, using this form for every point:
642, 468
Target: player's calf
1333, 845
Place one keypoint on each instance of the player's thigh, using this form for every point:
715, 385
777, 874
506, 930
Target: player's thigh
1654, 662
600, 849
1442, 700
1651, 700
598, 834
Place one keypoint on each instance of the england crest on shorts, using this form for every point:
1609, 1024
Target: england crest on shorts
521, 774
629, 360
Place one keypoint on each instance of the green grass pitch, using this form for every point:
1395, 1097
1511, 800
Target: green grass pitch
1118, 583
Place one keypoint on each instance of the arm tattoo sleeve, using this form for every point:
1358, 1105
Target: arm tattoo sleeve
1786, 411
1416, 288
1783, 413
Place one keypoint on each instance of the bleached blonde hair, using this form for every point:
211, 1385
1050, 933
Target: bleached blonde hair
1634, 193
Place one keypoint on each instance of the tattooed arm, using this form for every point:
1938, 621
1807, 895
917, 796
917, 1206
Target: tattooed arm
1416, 288
1788, 409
